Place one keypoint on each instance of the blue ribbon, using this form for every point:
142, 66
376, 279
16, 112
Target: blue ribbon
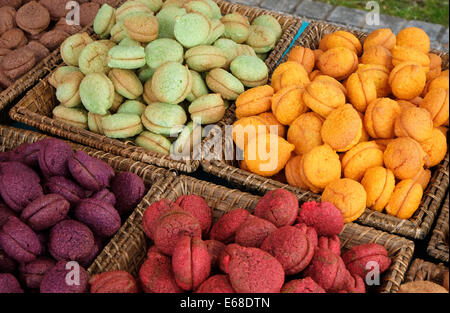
299, 33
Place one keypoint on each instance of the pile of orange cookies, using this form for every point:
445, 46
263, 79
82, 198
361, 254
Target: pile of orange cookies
361, 124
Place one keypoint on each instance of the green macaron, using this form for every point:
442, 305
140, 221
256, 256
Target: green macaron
94, 57
204, 58
95, 123
154, 142
229, 48
166, 20
199, 6
104, 20
126, 57
164, 119
217, 30
73, 116
133, 107
127, 41
217, 14
126, 83
145, 73
71, 47
224, 83
60, 73
97, 93
118, 32
131, 7
261, 38
153, 5
68, 90
192, 29
171, 82
250, 70
199, 87
271, 22
207, 109
163, 50
237, 27
122, 125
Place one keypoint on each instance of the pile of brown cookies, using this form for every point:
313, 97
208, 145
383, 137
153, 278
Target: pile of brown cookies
30, 30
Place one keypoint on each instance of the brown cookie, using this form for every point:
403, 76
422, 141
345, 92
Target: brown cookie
5, 82
421, 287
12, 3
3, 53
18, 62
56, 8
70, 29
7, 19
88, 11
39, 50
53, 39
13, 39
33, 18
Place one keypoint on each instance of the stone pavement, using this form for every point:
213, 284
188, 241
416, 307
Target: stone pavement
352, 18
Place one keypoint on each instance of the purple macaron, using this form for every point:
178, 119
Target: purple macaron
45, 211
5, 213
101, 217
66, 188
19, 241
65, 277
29, 153
98, 246
19, 185
70, 240
31, 274
7, 265
129, 190
53, 157
91, 173
6, 156
106, 196
9, 284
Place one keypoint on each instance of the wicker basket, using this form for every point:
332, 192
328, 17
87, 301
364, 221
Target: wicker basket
35, 109
41, 69
417, 227
152, 176
421, 270
439, 242
130, 250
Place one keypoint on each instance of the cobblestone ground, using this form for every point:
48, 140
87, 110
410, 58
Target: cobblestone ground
352, 18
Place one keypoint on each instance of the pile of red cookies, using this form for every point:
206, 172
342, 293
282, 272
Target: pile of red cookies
57, 205
278, 249
30, 30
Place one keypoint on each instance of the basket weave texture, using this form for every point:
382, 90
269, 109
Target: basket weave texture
439, 242
421, 270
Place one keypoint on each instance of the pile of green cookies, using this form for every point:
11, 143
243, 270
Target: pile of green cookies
160, 70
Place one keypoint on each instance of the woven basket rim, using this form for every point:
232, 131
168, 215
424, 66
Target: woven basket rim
401, 248
421, 270
438, 246
23, 113
416, 228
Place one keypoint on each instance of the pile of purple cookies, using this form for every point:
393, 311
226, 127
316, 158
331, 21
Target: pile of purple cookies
57, 205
